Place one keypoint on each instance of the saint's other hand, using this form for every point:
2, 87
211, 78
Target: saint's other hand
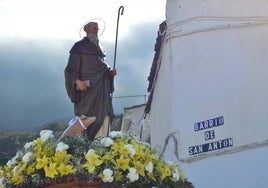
81, 85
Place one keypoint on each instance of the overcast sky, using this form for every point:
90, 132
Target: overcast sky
35, 39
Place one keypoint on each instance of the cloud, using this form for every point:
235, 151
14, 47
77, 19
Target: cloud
32, 79
42, 19
31, 82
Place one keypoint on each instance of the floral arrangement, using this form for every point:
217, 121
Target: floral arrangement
118, 159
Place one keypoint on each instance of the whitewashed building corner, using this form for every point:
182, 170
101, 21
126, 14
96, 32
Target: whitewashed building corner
208, 91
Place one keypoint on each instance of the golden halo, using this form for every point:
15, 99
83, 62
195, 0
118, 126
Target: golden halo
101, 25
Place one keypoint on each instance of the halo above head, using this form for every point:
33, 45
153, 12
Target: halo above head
101, 25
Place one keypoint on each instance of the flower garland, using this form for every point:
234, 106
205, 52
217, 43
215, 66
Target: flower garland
119, 159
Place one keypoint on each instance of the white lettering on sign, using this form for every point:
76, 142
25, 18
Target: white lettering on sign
212, 146
209, 135
209, 123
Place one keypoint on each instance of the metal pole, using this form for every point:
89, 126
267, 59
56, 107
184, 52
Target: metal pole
120, 10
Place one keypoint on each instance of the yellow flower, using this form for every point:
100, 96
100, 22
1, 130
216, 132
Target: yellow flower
7, 172
17, 179
124, 150
122, 163
116, 147
38, 143
182, 176
61, 157
21, 168
165, 172
30, 170
109, 156
93, 160
139, 147
42, 162
50, 171
42, 148
65, 169
118, 175
151, 175
1, 172
139, 168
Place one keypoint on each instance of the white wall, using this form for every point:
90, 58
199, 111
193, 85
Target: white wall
214, 64
135, 121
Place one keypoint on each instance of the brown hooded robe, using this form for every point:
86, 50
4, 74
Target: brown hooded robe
96, 100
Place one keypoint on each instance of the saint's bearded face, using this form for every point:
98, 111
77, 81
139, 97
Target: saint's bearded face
92, 29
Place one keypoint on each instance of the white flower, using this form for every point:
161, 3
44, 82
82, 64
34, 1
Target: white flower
176, 175
107, 175
12, 161
46, 134
2, 182
61, 147
169, 163
9, 164
133, 134
131, 149
149, 167
146, 144
116, 134
132, 175
90, 151
106, 141
26, 158
28, 145
15, 169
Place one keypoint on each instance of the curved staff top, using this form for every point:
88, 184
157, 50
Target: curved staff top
121, 8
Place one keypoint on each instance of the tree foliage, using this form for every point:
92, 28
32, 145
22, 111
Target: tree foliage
13, 141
